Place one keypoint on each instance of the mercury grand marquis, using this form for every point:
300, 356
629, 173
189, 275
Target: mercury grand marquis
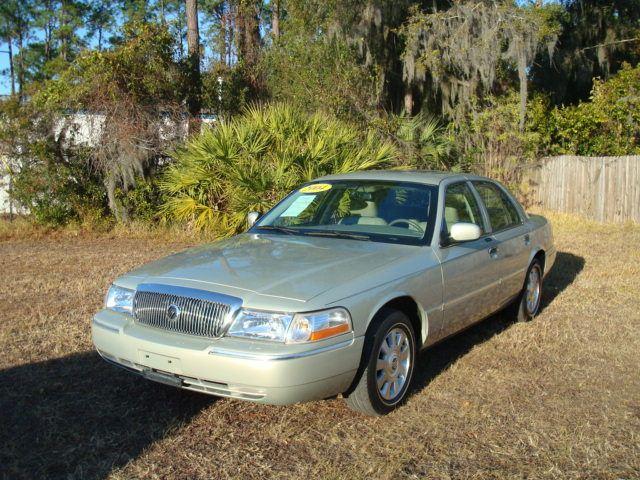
334, 291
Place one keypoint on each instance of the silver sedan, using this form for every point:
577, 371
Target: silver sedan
333, 291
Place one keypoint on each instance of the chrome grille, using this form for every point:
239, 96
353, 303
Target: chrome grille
184, 310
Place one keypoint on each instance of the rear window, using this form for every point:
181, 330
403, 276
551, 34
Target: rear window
502, 212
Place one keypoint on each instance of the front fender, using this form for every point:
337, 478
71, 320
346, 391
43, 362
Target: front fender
423, 288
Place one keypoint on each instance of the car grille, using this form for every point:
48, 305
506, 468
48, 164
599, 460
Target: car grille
184, 310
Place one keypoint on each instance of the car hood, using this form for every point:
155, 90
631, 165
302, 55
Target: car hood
290, 267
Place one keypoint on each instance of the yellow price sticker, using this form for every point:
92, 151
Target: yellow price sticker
316, 187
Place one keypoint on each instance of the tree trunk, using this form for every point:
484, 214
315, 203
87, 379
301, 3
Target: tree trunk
10, 195
222, 42
248, 27
11, 71
20, 66
522, 74
238, 37
194, 88
64, 43
118, 210
408, 100
47, 43
275, 18
48, 29
110, 186
248, 33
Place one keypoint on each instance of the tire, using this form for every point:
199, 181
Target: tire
394, 370
526, 306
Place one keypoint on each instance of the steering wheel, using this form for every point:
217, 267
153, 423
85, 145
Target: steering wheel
411, 224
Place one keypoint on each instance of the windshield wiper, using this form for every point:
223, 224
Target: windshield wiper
287, 230
336, 234
317, 233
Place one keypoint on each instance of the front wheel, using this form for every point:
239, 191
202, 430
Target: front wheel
389, 358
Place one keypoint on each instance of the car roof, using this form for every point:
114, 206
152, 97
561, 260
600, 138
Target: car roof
427, 177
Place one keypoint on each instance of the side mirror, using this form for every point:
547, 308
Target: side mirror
463, 232
252, 218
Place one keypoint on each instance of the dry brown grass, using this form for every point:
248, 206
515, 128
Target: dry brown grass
21, 228
555, 398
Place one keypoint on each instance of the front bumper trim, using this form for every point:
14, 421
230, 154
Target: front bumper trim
106, 326
284, 356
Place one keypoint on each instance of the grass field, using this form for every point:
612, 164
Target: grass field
558, 397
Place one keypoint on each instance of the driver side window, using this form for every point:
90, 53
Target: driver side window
460, 205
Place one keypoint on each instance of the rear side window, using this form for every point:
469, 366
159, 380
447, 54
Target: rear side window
460, 205
502, 212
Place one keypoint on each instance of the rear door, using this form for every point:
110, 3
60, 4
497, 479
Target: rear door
471, 279
511, 234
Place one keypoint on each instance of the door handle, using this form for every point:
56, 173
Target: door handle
527, 239
493, 252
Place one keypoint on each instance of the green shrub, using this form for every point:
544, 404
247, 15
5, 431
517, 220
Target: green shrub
252, 161
52, 178
490, 141
423, 142
57, 194
139, 88
315, 74
608, 124
143, 201
225, 89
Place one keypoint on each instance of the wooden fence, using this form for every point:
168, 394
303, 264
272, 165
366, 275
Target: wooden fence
606, 189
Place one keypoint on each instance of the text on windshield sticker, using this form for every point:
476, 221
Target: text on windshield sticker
316, 187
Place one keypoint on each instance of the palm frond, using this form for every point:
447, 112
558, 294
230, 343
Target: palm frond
252, 161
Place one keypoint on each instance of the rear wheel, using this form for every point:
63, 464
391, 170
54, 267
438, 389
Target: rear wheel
527, 304
388, 361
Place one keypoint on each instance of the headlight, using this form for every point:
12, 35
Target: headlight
261, 325
310, 327
291, 328
119, 299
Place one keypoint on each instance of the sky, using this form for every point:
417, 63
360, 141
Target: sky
5, 81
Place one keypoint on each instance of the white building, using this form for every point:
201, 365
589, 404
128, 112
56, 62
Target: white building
4, 194
85, 129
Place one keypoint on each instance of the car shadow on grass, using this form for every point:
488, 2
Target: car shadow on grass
567, 267
78, 417
439, 357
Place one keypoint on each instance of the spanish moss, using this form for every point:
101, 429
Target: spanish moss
462, 50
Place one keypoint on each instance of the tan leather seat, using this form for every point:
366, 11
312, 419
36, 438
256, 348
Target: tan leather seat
371, 221
367, 215
451, 216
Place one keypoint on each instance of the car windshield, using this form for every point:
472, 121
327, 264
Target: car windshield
399, 212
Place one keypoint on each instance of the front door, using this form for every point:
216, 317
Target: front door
471, 279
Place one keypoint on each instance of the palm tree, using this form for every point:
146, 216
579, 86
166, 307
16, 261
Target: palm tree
423, 140
195, 83
249, 163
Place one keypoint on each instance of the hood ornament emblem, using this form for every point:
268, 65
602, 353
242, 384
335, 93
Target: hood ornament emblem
173, 312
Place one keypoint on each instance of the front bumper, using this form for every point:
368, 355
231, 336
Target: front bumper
247, 370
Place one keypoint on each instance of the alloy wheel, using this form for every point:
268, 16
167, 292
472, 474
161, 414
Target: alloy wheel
393, 364
532, 293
